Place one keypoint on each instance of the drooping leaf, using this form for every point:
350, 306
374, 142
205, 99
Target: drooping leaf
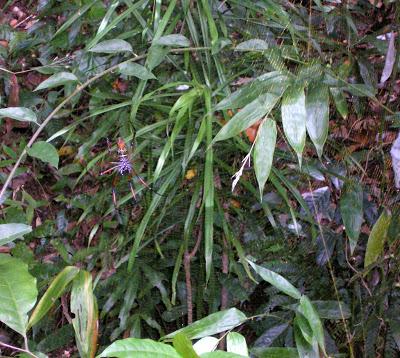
268, 337
340, 101
58, 79
377, 238
183, 346
175, 40
276, 280
212, 324
317, 105
236, 343
112, 46
390, 59
264, 152
307, 309
304, 349
351, 208
84, 307
134, 69
249, 115
18, 293
10, 232
294, 118
45, 152
144, 348
19, 113
55, 290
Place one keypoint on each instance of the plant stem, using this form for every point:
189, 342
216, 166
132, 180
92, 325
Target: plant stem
27, 351
67, 99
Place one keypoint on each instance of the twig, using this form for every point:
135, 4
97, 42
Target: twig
67, 99
18, 349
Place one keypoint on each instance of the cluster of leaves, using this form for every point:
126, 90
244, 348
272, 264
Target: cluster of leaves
182, 82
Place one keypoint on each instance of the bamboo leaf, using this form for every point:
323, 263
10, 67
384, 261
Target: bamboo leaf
377, 238
183, 346
175, 40
351, 208
112, 46
45, 152
58, 79
236, 343
294, 118
134, 69
19, 113
264, 152
317, 105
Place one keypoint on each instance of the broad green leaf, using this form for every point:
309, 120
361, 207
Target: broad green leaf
249, 115
307, 309
275, 352
156, 56
84, 307
175, 40
332, 310
214, 323
10, 232
58, 79
294, 118
317, 105
351, 209
236, 343
377, 238
112, 46
272, 82
55, 290
45, 152
340, 101
206, 344
183, 346
134, 69
276, 280
18, 293
252, 45
143, 348
263, 154
19, 113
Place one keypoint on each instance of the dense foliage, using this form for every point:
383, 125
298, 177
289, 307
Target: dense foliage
199, 178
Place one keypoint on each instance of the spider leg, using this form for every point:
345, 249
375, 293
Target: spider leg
144, 183
109, 170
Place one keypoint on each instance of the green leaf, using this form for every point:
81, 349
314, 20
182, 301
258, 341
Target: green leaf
84, 307
317, 105
175, 40
221, 354
333, 310
275, 352
55, 290
249, 115
206, 344
155, 56
45, 152
351, 209
340, 102
112, 46
294, 118
236, 343
19, 113
58, 79
264, 152
305, 350
252, 45
307, 309
272, 82
18, 293
134, 69
143, 348
377, 238
10, 232
276, 280
214, 323
184, 346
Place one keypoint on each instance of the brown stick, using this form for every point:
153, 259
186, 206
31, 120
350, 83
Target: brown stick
186, 265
